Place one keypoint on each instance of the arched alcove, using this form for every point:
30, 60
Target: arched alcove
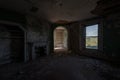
60, 39
12, 43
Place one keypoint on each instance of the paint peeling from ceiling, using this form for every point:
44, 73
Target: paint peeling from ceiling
53, 10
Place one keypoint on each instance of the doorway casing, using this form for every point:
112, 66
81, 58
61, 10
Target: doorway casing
60, 39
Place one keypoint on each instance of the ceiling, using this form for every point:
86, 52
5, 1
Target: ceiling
53, 10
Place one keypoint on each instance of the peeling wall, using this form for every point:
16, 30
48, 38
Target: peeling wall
37, 34
74, 38
112, 35
4, 45
109, 37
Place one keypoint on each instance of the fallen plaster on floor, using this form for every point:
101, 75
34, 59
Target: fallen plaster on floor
61, 68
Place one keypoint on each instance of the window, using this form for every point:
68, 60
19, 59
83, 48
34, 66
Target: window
91, 37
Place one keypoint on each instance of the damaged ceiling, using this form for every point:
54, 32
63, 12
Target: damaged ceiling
53, 10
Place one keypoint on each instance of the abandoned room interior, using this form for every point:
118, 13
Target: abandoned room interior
59, 39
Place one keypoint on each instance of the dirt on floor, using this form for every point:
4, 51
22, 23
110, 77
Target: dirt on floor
60, 68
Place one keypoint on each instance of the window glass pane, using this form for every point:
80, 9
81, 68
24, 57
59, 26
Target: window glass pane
92, 37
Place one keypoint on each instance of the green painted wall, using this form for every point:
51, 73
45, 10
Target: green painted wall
111, 39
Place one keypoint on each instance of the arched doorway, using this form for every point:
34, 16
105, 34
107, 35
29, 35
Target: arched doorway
12, 41
60, 39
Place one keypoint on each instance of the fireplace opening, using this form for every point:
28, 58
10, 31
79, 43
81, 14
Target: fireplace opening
40, 51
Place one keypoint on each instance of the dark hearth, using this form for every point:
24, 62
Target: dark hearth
40, 51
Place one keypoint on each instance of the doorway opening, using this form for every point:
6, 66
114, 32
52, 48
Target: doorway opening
60, 39
11, 43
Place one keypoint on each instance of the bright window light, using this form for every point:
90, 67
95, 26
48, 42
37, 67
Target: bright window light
92, 36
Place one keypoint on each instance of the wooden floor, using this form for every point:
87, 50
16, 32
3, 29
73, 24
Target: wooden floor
60, 68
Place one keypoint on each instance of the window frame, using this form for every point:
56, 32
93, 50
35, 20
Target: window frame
100, 36
97, 36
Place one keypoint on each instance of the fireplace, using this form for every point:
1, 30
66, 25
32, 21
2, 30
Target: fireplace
40, 51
